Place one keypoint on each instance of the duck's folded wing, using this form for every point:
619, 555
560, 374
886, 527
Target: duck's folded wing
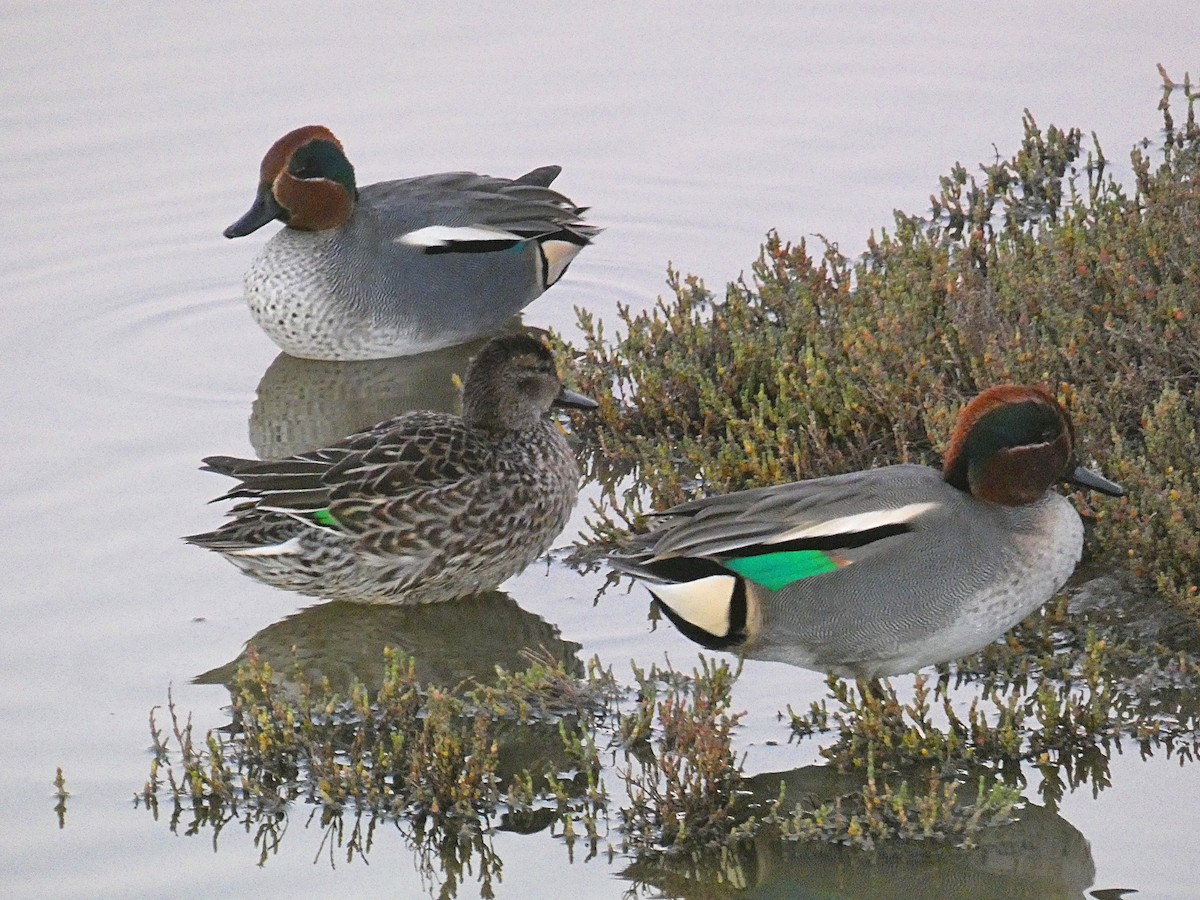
839, 512
422, 522
464, 212
294, 482
416, 451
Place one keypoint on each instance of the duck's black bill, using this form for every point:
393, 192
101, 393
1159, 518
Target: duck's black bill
1095, 481
574, 400
264, 210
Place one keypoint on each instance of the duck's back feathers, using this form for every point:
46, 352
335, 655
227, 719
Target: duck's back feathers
840, 511
419, 450
428, 211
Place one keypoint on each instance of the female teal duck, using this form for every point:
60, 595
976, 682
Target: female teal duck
423, 507
398, 267
885, 571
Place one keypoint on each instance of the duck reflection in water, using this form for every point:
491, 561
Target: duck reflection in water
307, 404
448, 643
424, 507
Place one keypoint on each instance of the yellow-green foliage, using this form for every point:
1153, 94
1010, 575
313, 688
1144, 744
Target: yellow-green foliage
1042, 268
683, 794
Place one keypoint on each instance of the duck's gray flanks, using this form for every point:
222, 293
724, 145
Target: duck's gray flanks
398, 267
885, 571
425, 507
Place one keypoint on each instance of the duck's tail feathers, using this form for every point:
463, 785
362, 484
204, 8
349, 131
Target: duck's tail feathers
285, 485
251, 533
708, 603
542, 176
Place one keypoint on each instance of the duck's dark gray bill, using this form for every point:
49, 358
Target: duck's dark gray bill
1097, 482
577, 401
264, 210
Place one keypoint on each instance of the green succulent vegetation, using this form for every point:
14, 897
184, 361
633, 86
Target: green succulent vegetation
1042, 268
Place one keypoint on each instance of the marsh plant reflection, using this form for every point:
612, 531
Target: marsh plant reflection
1039, 856
375, 740
446, 722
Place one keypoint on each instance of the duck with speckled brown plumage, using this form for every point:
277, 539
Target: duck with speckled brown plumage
424, 507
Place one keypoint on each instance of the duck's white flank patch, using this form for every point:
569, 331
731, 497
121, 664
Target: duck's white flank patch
445, 235
703, 602
283, 549
558, 255
853, 524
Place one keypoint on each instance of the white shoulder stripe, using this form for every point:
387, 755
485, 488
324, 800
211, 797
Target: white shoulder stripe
445, 235
703, 603
852, 524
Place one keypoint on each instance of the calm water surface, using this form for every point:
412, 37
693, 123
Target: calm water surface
131, 137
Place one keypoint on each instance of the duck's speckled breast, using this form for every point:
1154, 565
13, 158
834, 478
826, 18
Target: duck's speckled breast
354, 292
537, 480
1012, 566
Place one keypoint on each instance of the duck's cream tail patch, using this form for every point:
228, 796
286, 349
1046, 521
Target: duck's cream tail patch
556, 256
292, 545
704, 603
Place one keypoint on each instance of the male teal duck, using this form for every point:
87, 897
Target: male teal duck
885, 571
421, 508
398, 267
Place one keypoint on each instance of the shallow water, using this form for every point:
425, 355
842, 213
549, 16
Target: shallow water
131, 138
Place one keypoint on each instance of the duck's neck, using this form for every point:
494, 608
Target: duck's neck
500, 418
